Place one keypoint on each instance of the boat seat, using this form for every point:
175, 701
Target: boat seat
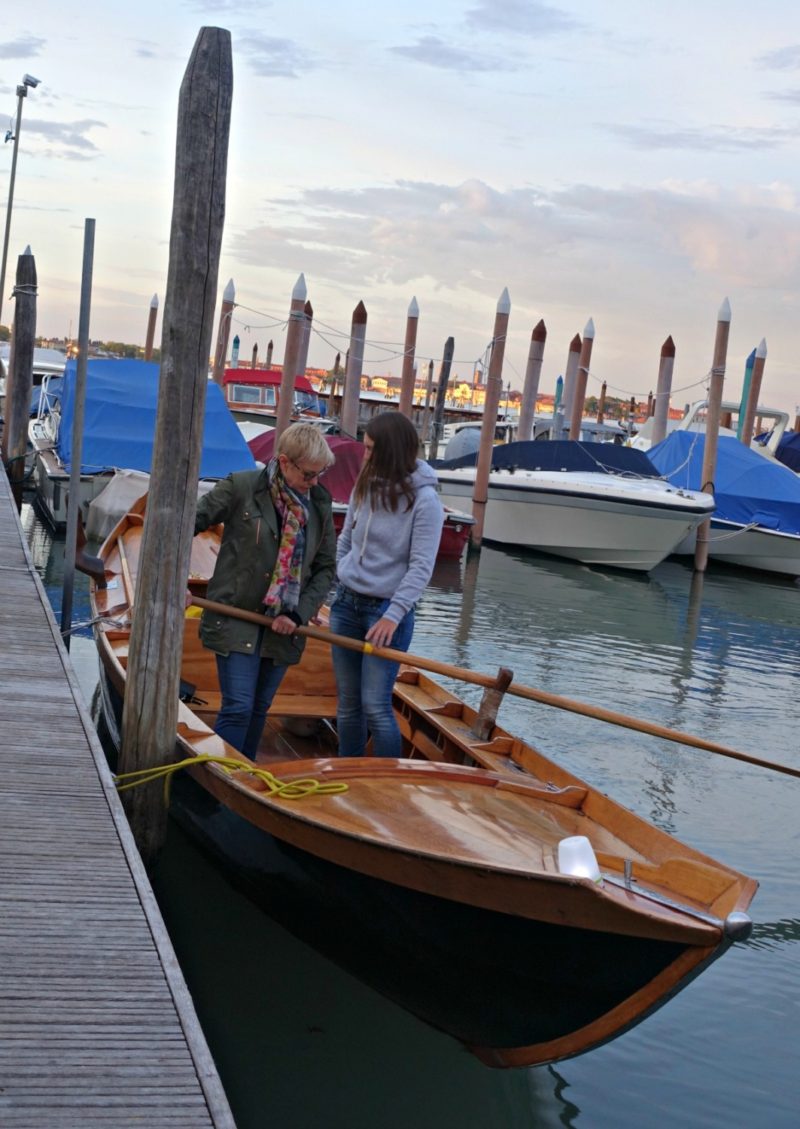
283, 705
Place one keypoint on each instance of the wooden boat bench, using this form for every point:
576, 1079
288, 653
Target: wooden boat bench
451, 721
283, 705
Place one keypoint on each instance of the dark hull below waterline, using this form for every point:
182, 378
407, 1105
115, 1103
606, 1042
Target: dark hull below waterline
492, 981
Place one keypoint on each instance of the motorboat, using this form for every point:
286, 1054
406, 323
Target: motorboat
757, 520
597, 503
120, 404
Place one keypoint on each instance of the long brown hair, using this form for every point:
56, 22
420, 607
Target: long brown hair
385, 476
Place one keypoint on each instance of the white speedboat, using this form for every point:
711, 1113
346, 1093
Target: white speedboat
591, 502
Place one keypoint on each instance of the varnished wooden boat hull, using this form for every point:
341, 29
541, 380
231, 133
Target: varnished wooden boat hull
462, 918
516, 992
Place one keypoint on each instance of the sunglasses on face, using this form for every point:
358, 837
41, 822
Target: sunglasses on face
308, 475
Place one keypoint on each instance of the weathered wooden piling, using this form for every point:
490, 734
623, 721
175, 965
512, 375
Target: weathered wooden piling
223, 332
426, 411
151, 696
441, 393
666, 365
268, 361
494, 389
409, 348
712, 427
305, 340
71, 537
754, 392
235, 352
530, 387
19, 385
291, 355
352, 373
151, 328
568, 387
254, 357
581, 378
601, 403
748, 379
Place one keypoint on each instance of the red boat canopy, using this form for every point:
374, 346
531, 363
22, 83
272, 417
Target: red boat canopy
265, 376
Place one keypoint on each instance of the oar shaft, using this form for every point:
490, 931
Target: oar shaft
516, 688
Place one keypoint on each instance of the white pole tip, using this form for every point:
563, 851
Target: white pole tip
589, 329
300, 292
504, 302
724, 311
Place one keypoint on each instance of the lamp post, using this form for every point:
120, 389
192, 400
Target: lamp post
22, 92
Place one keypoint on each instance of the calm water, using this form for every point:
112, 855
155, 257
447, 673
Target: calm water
301, 1045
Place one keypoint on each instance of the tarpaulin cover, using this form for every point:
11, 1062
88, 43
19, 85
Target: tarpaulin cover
561, 454
340, 478
748, 488
120, 418
789, 450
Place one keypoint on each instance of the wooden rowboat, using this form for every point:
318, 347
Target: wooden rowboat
436, 878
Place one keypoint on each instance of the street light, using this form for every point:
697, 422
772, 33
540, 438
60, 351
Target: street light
22, 92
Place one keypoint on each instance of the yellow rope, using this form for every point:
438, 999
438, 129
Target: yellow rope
286, 790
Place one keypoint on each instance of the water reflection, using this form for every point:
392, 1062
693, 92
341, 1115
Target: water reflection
772, 934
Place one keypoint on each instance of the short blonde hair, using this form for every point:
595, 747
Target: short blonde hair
305, 441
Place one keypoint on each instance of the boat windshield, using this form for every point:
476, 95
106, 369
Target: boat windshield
307, 402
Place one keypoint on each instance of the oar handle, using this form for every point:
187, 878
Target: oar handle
330, 637
520, 691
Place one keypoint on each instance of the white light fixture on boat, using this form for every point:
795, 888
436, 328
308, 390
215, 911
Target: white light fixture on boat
576, 857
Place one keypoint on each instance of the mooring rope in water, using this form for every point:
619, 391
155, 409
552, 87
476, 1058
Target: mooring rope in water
286, 790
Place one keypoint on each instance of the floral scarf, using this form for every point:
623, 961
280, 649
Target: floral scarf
283, 593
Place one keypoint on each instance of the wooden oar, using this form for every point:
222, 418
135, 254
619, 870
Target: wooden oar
516, 688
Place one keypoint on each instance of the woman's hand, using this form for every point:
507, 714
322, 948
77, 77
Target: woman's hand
283, 625
381, 632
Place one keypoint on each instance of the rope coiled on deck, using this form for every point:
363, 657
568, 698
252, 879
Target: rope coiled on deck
282, 789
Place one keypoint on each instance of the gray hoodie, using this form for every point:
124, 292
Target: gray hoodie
390, 556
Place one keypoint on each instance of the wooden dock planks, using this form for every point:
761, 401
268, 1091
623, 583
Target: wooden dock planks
96, 1023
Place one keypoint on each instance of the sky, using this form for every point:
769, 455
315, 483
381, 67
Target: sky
631, 163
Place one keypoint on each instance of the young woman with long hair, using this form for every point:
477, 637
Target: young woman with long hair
384, 559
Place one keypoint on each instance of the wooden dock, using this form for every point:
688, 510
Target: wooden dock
97, 1027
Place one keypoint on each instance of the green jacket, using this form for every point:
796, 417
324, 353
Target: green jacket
247, 558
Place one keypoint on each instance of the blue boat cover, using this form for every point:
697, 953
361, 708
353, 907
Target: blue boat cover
748, 488
789, 450
120, 420
562, 454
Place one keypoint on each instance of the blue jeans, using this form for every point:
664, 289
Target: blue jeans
248, 684
364, 683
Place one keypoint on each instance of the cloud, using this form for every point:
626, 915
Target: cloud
68, 139
783, 59
791, 96
520, 17
435, 52
722, 139
230, 7
22, 47
471, 237
274, 58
